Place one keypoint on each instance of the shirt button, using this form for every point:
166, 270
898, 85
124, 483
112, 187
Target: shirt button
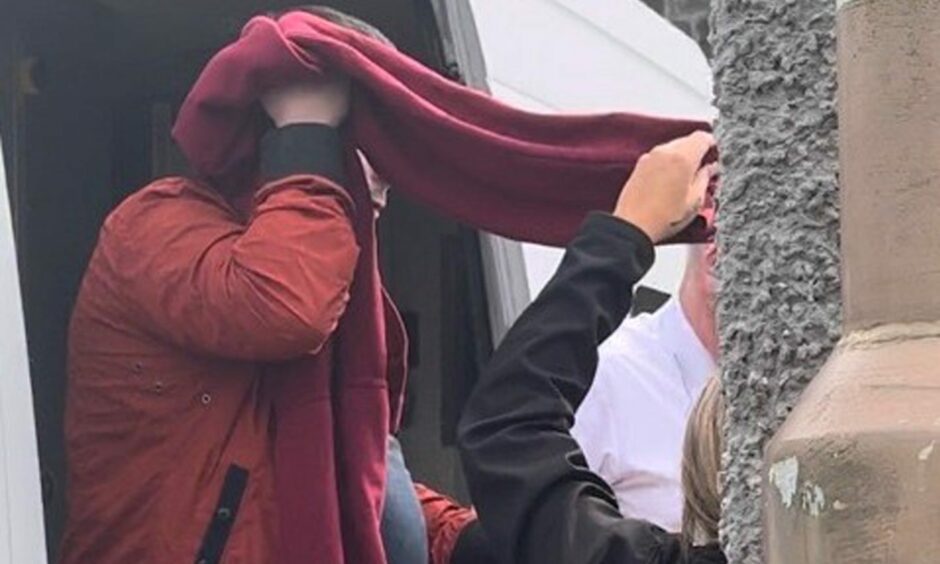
206, 399
223, 514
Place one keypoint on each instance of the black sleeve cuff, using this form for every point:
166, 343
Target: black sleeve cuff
472, 546
302, 149
617, 232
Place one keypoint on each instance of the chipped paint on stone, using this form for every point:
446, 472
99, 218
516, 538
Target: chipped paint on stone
785, 475
927, 451
813, 499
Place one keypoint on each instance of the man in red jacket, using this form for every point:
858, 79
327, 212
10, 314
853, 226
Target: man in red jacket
189, 299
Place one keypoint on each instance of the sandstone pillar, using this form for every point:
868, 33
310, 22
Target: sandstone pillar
853, 476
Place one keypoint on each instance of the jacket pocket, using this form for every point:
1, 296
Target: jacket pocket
220, 526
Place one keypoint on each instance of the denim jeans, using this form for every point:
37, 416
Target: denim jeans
403, 530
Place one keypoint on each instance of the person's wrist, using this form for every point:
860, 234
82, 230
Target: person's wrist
289, 120
644, 223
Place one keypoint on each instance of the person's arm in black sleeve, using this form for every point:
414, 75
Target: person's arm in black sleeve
537, 499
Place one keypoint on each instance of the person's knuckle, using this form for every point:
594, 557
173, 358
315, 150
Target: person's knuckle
671, 158
645, 159
660, 155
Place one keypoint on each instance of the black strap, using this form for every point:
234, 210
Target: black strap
305, 148
216, 537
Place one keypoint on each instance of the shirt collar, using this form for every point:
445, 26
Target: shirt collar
695, 362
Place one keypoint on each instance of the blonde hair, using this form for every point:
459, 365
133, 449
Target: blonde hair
701, 467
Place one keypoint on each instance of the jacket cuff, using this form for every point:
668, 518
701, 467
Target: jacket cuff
313, 149
622, 235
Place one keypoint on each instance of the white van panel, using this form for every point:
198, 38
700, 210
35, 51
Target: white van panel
22, 539
592, 56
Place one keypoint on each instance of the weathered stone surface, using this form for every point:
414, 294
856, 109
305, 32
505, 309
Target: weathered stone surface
779, 305
852, 476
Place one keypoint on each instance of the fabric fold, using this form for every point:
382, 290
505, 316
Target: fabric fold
526, 176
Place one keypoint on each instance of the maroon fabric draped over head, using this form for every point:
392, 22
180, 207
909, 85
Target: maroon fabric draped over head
521, 175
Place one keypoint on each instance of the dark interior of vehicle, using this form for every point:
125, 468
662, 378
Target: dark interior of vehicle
88, 91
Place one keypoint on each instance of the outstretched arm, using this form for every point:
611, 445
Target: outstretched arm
536, 497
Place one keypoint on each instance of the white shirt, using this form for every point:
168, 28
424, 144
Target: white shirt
631, 425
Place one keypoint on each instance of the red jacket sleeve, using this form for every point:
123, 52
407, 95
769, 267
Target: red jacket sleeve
196, 275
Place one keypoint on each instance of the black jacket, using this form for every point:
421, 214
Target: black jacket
538, 502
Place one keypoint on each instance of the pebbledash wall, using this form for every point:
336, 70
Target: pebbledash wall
780, 303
